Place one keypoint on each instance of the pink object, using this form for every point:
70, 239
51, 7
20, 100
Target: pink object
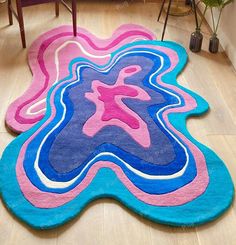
110, 110
49, 57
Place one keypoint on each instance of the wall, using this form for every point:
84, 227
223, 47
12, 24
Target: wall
227, 30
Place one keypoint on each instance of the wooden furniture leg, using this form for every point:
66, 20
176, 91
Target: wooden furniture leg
9, 6
57, 3
21, 22
162, 6
166, 19
19, 14
74, 15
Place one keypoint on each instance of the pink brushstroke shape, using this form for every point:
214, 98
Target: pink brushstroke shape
42, 64
179, 197
110, 110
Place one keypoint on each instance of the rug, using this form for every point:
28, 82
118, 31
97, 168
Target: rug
117, 130
49, 57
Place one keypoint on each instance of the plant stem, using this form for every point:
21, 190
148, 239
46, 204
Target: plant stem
213, 21
217, 25
203, 15
195, 14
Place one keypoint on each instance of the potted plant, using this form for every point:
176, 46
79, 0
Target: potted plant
213, 5
197, 37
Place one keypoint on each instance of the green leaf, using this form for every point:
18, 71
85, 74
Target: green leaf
212, 3
216, 3
226, 3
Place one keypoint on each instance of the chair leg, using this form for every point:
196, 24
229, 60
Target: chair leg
162, 6
74, 15
21, 22
9, 12
167, 15
57, 2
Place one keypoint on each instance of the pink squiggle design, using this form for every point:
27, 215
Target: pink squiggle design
41, 61
116, 112
178, 197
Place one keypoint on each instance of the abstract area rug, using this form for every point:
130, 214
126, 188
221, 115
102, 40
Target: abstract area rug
49, 57
117, 130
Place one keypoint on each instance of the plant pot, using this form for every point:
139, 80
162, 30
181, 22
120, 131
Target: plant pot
196, 41
214, 44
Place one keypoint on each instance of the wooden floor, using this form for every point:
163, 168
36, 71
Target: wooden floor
106, 222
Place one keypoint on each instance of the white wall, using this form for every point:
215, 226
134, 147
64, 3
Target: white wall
227, 30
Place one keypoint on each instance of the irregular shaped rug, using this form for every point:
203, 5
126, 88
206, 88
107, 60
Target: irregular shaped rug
117, 130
